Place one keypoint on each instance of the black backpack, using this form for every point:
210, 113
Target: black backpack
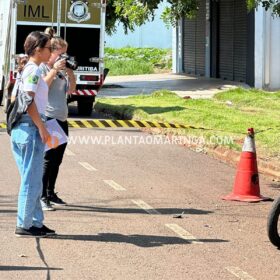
18, 107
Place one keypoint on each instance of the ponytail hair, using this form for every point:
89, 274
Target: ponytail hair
56, 41
50, 31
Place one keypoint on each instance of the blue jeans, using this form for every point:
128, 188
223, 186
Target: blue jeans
28, 151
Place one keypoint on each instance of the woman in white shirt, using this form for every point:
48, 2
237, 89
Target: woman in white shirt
28, 139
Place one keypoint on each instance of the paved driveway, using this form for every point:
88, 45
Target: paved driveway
183, 85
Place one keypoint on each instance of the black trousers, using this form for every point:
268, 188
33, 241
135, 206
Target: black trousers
52, 161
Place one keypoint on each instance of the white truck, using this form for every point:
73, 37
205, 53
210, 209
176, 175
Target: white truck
80, 22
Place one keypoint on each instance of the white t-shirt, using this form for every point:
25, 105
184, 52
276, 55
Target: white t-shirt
32, 81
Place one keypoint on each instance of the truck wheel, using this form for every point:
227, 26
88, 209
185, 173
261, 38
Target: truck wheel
273, 224
85, 106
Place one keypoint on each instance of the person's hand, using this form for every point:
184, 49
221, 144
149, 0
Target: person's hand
60, 65
72, 80
45, 136
70, 72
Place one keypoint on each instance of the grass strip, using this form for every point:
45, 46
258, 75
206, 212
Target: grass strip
227, 115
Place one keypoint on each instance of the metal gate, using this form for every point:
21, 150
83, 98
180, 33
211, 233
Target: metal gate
232, 40
194, 42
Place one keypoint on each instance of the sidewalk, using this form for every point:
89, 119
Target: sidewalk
183, 85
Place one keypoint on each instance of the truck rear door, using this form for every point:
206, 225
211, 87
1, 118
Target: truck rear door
81, 23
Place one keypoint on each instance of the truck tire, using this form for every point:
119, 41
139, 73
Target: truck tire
273, 223
85, 106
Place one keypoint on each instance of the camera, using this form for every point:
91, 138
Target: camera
70, 61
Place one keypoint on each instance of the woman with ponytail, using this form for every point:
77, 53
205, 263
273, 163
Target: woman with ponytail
60, 80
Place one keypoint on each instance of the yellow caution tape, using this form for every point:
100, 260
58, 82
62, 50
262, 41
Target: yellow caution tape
2, 125
131, 124
121, 123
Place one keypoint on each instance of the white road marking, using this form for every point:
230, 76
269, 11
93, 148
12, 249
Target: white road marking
236, 271
142, 204
114, 185
183, 233
87, 166
69, 152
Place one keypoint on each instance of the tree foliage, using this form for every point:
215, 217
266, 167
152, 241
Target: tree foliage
274, 5
132, 13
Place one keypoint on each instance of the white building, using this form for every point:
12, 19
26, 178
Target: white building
267, 50
225, 41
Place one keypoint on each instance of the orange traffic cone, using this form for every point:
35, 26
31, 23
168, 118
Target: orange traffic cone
246, 185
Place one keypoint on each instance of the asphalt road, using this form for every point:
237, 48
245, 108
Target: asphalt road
123, 193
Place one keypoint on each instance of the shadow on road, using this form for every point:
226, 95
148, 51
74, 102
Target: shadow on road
127, 111
7, 211
7, 202
135, 239
124, 111
42, 257
73, 114
13, 267
164, 211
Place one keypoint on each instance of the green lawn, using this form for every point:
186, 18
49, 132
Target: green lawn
228, 114
135, 61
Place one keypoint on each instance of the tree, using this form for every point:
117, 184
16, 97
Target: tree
267, 4
132, 13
